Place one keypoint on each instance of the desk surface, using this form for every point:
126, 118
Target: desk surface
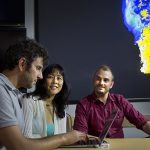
122, 144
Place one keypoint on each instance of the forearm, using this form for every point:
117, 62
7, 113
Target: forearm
146, 127
55, 141
47, 143
12, 139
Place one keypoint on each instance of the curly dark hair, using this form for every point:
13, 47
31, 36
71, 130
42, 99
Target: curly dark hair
29, 49
60, 101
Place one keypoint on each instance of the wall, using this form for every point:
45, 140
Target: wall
83, 34
30, 18
9, 35
11, 25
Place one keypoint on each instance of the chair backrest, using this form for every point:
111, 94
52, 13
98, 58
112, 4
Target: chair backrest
127, 124
70, 122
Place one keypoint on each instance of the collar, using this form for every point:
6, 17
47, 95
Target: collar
11, 87
94, 97
6, 81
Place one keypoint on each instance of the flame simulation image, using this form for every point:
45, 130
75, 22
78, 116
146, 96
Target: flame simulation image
136, 15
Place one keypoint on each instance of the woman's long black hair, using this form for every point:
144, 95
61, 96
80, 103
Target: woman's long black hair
60, 101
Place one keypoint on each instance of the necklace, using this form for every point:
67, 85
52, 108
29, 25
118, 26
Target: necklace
49, 111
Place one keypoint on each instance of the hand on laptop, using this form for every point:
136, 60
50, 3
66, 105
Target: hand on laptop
74, 136
91, 136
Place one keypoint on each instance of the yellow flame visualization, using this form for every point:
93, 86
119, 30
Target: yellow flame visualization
144, 46
137, 20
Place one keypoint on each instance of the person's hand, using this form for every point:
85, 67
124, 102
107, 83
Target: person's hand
92, 137
73, 137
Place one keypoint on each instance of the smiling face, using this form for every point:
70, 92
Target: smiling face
102, 83
54, 82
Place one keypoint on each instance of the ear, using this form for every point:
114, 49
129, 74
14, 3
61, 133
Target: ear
22, 64
112, 84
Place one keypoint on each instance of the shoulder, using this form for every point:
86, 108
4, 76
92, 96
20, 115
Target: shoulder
118, 98
5, 89
5, 83
30, 100
2, 79
85, 102
7, 94
32, 105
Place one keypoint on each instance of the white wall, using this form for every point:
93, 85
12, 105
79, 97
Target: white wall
29, 18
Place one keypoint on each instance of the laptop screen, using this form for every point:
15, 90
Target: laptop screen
108, 124
93, 142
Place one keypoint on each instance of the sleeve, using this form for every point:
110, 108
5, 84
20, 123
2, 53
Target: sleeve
7, 112
27, 107
133, 115
80, 122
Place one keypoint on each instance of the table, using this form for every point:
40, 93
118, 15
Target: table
121, 144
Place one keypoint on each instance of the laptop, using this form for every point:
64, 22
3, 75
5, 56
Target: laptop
97, 142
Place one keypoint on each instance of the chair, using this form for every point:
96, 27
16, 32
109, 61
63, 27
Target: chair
127, 124
70, 122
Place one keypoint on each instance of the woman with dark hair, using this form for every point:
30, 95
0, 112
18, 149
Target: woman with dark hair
44, 109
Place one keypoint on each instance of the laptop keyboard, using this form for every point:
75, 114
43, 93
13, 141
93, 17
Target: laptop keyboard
88, 142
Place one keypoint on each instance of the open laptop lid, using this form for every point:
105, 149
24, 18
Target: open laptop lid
107, 125
103, 134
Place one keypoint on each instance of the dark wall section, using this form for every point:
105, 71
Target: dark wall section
83, 34
12, 12
9, 35
12, 24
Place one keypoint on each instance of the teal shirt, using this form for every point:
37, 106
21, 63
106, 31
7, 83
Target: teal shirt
50, 129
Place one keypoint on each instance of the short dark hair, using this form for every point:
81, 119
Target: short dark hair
29, 49
105, 68
60, 102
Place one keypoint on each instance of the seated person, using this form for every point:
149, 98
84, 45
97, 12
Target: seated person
24, 62
44, 109
93, 110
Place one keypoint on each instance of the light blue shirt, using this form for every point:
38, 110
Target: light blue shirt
10, 108
50, 129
